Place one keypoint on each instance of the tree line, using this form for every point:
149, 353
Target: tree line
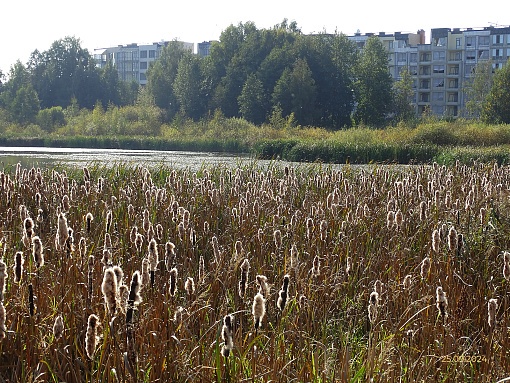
256, 74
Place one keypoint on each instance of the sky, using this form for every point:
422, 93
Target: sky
34, 24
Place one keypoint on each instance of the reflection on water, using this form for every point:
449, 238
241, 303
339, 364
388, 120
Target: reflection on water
48, 157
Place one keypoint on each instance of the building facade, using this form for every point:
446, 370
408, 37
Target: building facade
133, 60
442, 68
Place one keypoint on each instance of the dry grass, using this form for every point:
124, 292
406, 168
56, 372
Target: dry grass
329, 230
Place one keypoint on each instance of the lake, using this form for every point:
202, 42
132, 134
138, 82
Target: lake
47, 157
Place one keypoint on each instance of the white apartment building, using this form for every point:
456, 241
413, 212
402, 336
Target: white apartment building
442, 68
133, 60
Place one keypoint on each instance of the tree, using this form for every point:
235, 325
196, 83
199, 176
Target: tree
373, 85
188, 86
253, 100
64, 71
496, 108
296, 92
25, 105
403, 97
478, 87
161, 77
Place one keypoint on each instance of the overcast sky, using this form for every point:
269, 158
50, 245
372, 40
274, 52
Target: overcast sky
34, 24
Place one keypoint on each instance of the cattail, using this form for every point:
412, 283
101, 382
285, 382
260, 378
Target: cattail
145, 272
441, 301
38, 199
62, 232
263, 285
258, 310
88, 220
69, 245
58, 327
18, 266
348, 265
390, 219
309, 228
173, 282
169, 255
138, 241
283, 294
277, 235
82, 247
316, 266
31, 303
86, 174
506, 265
216, 248
106, 260
153, 258
65, 203
189, 286
40, 215
226, 334
425, 268
492, 307
3, 277
294, 256
408, 280
2, 320
399, 219
452, 239
159, 231
245, 267
91, 335
90, 277
134, 297
109, 290
436, 240
201, 269
37, 251
123, 298
423, 211
178, 315
373, 305
378, 286
28, 231
133, 233
238, 247
323, 230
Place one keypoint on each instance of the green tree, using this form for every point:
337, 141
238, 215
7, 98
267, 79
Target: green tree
161, 77
51, 118
25, 105
188, 86
296, 92
64, 71
478, 88
403, 94
496, 108
253, 100
373, 85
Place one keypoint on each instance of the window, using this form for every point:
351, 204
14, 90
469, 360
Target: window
497, 39
453, 110
483, 40
455, 56
424, 84
414, 57
438, 83
390, 44
401, 43
152, 54
454, 70
453, 97
143, 65
453, 83
457, 42
425, 70
438, 68
470, 56
469, 69
424, 97
470, 41
401, 57
438, 96
425, 57
143, 77
483, 55
440, 42
439, 55
143, 54
497, 53
413, 70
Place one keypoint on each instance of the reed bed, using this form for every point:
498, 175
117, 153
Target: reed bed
281, 274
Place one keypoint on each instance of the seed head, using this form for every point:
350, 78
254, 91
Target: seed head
492, 307
441, 301
258, 310
91, 335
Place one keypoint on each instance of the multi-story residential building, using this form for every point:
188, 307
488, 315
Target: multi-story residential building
133, 60
204, 48
442, 68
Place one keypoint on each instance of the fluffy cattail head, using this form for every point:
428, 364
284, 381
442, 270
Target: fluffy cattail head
506, 265
18, 266
441, 301
2, 320
38, 251
436, 240
373, 305
390, 219
226, 334
58, 327
452, 239
492, 307
88, 220
316, 266
258, 310
91, 335
109, 289
263, 285
399, 219
153, 254
189, 286
173, 282
408, 281
243, 282
425, 268
284, 293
